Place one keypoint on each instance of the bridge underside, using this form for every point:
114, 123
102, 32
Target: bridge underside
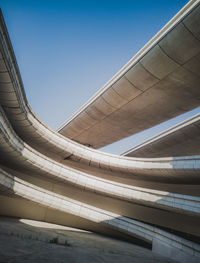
179, 140
46, 176
160, 82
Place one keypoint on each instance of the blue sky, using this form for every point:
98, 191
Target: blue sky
67, 50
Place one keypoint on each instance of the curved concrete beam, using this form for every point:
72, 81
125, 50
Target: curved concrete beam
32, 130
181, 139
185, 169
160, 82
21, 155
28, 145
160, 239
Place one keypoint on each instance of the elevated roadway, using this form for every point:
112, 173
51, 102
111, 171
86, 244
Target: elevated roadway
46, 176
160, 82
179, 140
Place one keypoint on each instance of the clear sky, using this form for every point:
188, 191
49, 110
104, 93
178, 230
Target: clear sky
67, 50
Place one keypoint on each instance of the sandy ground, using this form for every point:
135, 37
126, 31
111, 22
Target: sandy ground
25, 241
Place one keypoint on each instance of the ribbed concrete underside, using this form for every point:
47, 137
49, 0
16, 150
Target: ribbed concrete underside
45, 176
160, 82
180, 140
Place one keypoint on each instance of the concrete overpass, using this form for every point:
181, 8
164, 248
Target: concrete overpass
46, 176
160, 82
179, 140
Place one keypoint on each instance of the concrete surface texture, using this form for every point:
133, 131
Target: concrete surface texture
160, 82
48, 177
43, 242
182, 139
